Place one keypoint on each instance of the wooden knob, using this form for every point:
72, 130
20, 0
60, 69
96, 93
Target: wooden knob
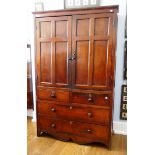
90, 114
53, 109
53, 125
106, 97
89, 131
70, 107
53, 94
90, 99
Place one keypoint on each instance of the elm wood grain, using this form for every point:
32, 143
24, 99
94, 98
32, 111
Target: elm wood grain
91, 98
48, 145
77, 112
87, 66
91, 53
53, 94
90, 131
53, 49
102, 9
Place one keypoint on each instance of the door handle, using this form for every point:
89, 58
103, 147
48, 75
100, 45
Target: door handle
74, 56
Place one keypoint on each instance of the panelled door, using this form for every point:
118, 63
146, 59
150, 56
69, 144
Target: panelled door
92, 51
53, 37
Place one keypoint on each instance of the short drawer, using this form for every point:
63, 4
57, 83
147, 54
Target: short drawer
53, 94
46, 108
72, 127
91, 98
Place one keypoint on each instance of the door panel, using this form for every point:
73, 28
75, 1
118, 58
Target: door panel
61, 65
92, 44
61, 28
100, 63
53, 50
101, 26
45, 62
83, 27
45, 29
82, 62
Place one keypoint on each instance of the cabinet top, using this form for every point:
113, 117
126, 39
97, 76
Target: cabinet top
100, 9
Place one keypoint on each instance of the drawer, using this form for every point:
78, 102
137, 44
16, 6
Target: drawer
46, 108
72, 127
75, 112
91, 98
53, 94
84, 113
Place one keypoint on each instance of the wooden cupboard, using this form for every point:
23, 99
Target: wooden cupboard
75, 66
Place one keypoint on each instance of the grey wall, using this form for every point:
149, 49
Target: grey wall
59, 4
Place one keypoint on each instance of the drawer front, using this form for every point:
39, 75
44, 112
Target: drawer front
84, 114
53, 94
77, 128
46, 108
74, 112
91, 98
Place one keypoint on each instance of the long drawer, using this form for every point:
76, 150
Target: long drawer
91, 98
53, 94
72, 127
97, 115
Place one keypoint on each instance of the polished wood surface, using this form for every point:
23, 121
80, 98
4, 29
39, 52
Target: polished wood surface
100, 9
75, 64
53, 94
77, 112
91, 98
53, 51
91, 45
45, 145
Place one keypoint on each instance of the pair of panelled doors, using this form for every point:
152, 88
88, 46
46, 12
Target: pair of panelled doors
75, 51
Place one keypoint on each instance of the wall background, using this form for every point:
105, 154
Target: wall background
119, 125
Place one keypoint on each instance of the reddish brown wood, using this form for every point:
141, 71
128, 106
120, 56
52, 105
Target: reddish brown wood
53, 94
77, 112
91, 98
75, 64
76, 128
53, 51
92, 48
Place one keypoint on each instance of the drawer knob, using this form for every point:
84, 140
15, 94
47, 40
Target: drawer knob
90, 114
53, 109
106, 97
70, 107
53, 94
53, 125
90, 99
89, 131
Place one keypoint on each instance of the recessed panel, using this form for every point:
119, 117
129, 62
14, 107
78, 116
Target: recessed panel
45, 62
61, 28
83, 27
61, 62
82, 62
100, 63
101, 26
45, 29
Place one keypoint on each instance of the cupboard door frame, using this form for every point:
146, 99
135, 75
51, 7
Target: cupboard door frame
92, 38
53, 40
